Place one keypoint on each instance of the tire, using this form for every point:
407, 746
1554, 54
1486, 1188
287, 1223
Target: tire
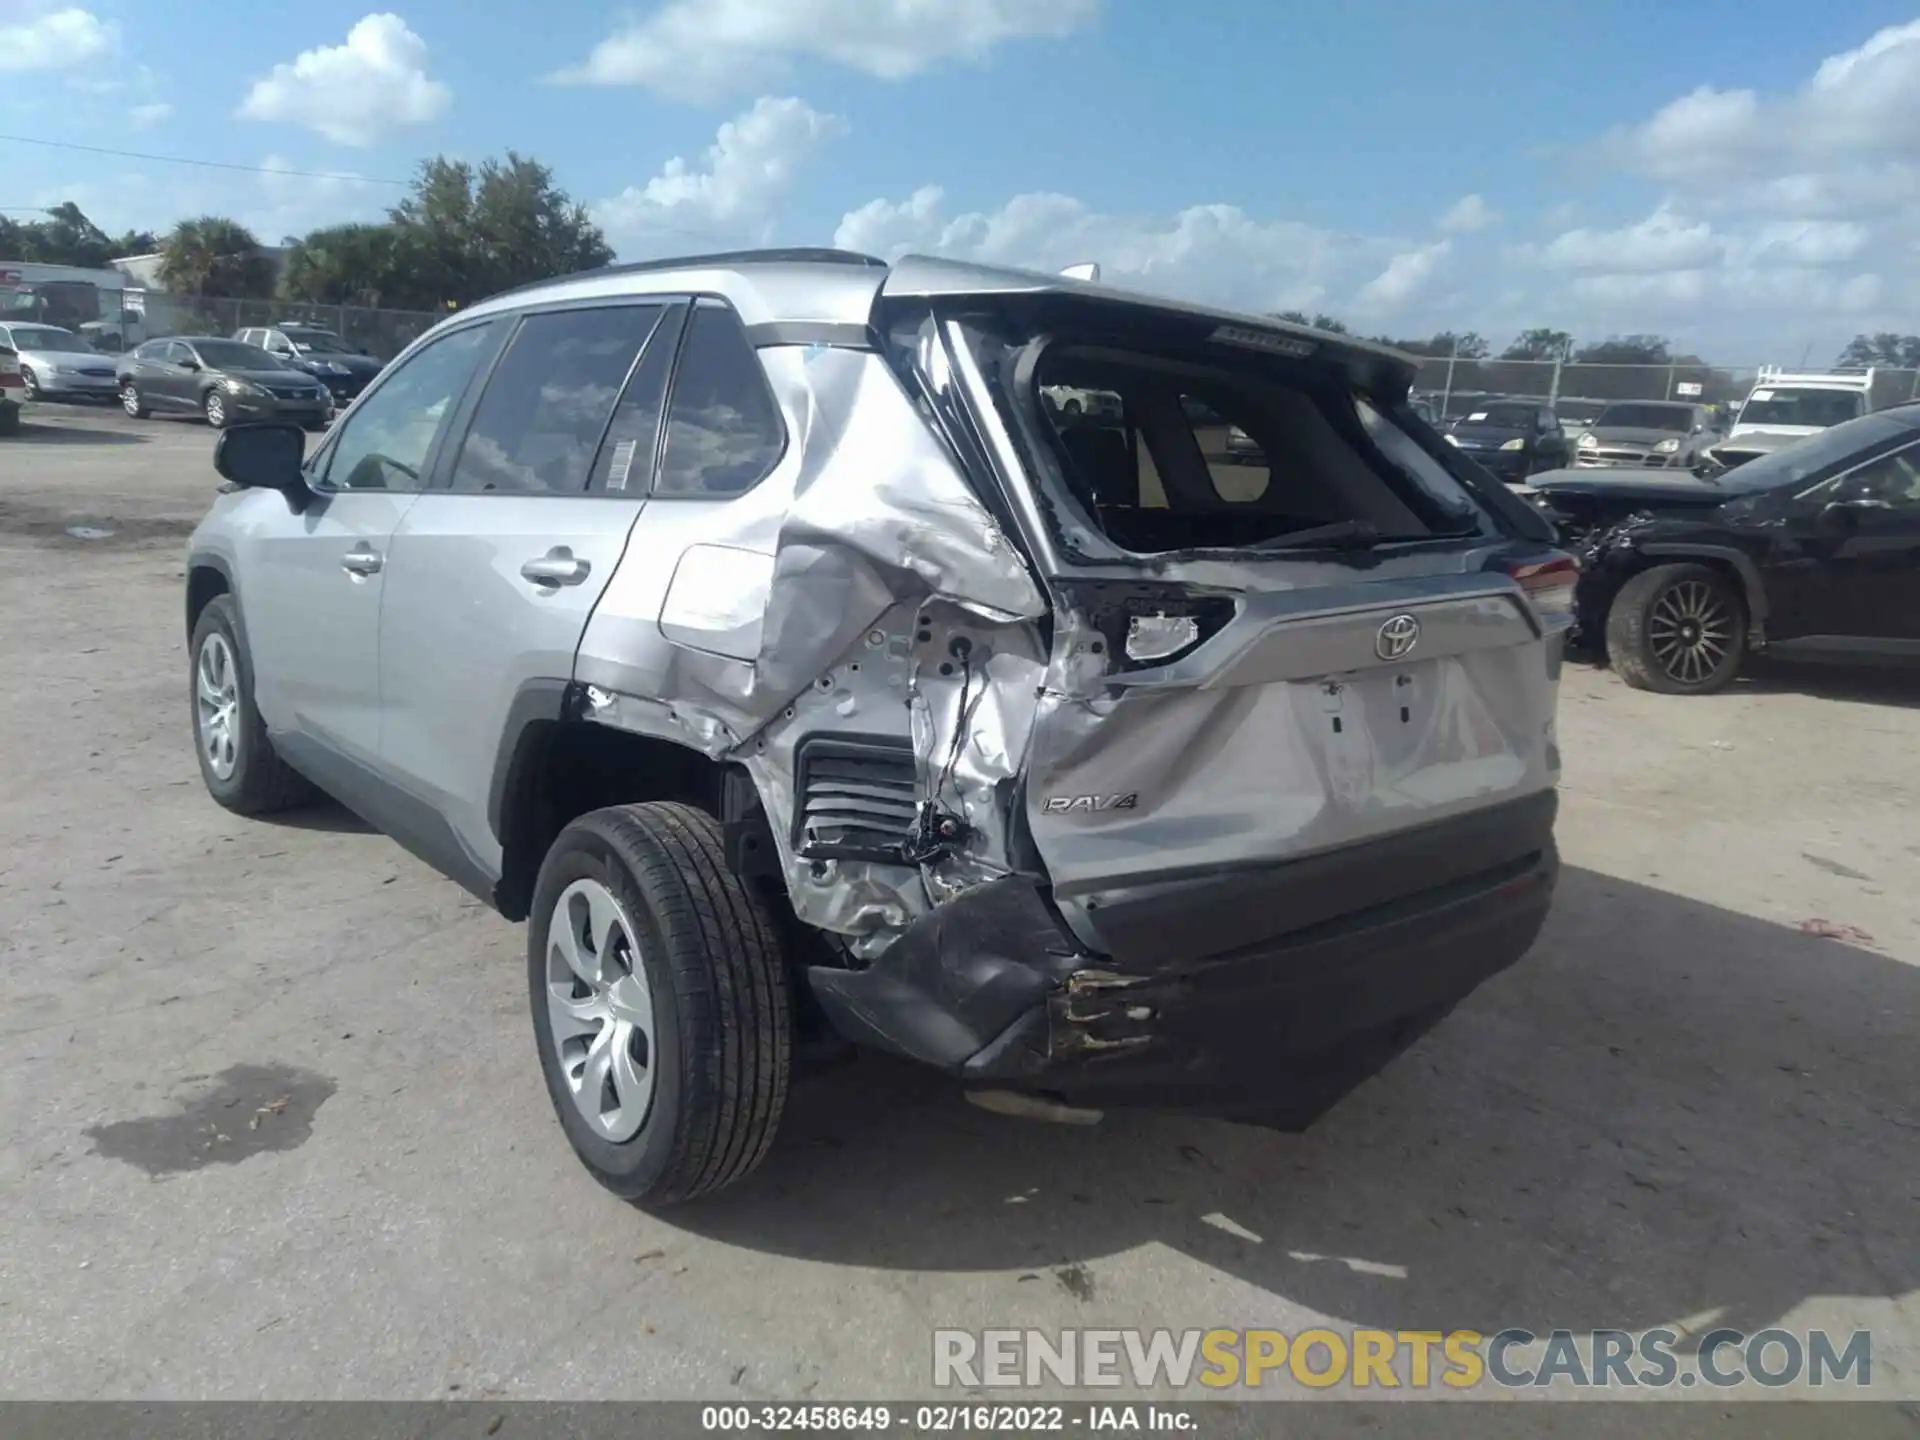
29, 385
1677, 630
9, 419
131, 402
707, 1099
241, 771
1073, 406
214, 406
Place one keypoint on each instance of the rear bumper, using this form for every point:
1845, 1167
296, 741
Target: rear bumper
1263, 994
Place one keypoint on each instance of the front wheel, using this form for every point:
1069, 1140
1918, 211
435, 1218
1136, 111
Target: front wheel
131, 401
215, 405
29, 385
660, 1003
1677, 630
237, 759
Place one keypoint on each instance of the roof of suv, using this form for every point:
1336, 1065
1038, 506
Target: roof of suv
826, 287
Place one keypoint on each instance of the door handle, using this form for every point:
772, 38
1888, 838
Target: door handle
361, 561
559, 566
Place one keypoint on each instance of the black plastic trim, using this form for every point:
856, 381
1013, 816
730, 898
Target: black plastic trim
535, 703
405, 819
891, 749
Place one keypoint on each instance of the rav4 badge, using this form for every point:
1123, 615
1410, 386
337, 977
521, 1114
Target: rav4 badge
1088, 804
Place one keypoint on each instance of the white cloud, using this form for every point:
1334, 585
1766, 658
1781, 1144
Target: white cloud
1468, 214
1848, 137
1407, 276
706, 49
57, 40
357, 92
1217, 254
141, 116
1663, 241
731, 196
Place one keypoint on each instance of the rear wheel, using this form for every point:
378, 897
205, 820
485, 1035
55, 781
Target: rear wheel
660, 1003
215, 405
1677, 630
9, 419
132, 402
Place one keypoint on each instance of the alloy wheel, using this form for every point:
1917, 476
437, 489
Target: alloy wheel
600, 1011
216, 690
29, 384
130, 400
216, 409
1690, 631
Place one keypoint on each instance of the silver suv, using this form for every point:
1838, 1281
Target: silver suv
751, 627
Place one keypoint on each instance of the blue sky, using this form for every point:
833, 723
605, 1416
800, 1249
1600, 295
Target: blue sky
1744, 177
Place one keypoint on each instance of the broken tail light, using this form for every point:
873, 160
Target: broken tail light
1146, 625
1548, 582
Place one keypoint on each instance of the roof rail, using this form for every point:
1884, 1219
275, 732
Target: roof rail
794, 255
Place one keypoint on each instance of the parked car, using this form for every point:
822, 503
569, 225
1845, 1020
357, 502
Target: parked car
1512, 438
1642, 434
1577, 415
1784, 408
759, 635
344, 369
222, 380
56, 364
10, 389
1810, 552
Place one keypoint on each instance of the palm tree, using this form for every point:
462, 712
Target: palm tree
212, 255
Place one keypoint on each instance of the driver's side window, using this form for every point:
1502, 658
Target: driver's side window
387, 440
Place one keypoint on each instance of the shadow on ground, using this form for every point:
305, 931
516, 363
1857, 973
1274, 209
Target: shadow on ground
1890, 682
1665, 1109
326, 817
38, 433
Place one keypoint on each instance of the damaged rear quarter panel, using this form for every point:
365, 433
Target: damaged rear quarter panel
892, 590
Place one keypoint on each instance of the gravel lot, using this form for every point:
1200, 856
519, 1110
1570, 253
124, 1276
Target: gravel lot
271, 1122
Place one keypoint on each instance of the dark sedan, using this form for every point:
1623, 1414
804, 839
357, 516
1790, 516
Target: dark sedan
222, 380
1512, 438
1810, 552
337, 365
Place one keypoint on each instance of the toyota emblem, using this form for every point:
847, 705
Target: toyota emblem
1397, 638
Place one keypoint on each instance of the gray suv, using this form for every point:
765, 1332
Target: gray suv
751, 627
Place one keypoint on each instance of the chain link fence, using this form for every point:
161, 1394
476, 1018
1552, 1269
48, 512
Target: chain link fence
1578, 392
382, 334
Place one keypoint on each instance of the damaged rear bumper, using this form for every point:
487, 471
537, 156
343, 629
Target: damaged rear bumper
1264, 994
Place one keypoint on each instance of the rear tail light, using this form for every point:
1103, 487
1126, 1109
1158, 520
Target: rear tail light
1548, 582
10, 373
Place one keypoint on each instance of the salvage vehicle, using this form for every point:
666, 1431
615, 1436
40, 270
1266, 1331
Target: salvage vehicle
755, 628
1784, 408
1511, 438
1643, 434
1812, 552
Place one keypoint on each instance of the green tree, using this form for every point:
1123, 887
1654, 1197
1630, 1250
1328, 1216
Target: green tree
67, 237
1541, 344
371, 265
214, 256
1465, 345
1884, 348
1317, 322
1626, 350
472, 231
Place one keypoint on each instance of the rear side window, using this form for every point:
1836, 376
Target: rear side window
724, 432
625, 463
547, 403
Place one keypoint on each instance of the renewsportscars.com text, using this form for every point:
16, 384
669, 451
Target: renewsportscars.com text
1402, 1359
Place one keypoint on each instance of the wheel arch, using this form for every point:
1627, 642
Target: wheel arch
209, 576
1725, 558
553, 765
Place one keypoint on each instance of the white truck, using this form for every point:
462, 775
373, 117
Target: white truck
1786, 406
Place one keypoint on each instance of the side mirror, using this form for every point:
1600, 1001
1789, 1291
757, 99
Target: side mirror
265, 457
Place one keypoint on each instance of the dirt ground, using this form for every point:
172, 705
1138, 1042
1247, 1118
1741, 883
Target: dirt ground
271, 1121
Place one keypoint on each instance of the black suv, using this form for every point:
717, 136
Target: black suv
1812, 551
344, 370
